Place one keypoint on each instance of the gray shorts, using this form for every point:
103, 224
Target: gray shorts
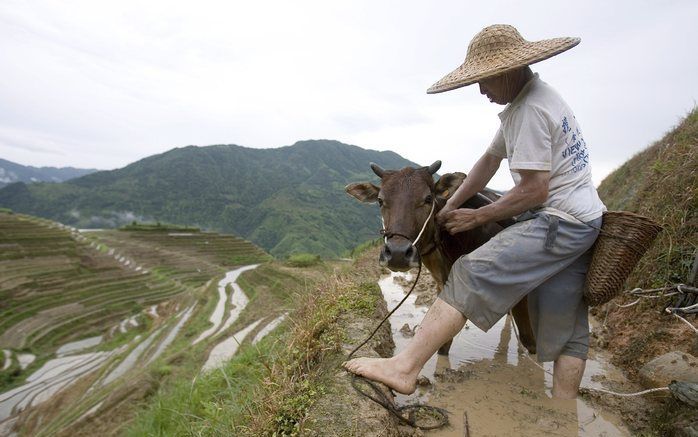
544, 257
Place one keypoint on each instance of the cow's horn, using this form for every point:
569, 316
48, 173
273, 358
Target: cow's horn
434, 167
377, 170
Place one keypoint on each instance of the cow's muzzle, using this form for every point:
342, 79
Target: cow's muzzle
399, 255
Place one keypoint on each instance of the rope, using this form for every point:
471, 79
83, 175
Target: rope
686, 322
583, 389
381, 399
419, 272
681, 289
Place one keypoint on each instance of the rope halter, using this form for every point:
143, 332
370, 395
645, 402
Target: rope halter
387, 234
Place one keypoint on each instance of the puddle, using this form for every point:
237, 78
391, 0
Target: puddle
225, 350
79, 345
53, 376
8, 359
130, 321
268, 328
25, 360
496, 385
131, 359
171, 335
237, 299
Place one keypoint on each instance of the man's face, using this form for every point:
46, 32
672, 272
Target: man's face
495, 89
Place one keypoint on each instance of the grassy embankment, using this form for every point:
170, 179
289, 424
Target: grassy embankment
660, 182
268, 389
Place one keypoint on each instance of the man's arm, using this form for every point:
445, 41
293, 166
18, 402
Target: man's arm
477, 179
531, 191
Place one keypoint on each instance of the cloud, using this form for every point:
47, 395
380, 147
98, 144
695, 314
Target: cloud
94, 84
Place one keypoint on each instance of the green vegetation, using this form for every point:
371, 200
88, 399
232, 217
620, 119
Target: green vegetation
215, 403
158, 227
25, 173
286, 200
660, 182
303, 260
268, 389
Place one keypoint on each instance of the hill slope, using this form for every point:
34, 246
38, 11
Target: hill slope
661, 182
286, 200
11, 172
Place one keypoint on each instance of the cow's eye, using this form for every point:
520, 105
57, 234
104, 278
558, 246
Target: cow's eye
380, 202
429, 199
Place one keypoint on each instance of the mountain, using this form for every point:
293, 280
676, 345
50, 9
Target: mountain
12, 172
289, 199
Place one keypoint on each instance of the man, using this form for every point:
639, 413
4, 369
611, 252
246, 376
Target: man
546, 254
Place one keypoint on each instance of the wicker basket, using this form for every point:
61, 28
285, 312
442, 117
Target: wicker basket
624, 238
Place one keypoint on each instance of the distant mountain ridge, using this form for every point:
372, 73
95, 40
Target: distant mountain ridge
288, 199
11, 172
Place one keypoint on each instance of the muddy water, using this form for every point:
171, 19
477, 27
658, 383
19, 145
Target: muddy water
79, 345
237, 298
488, 379
225, 350
53, 376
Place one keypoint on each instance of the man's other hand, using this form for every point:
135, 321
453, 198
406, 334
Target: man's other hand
459, 220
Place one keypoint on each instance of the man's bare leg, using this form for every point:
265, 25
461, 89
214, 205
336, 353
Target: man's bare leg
567, 376
400, 372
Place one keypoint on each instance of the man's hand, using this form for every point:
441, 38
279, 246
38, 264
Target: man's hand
460, 220
441, 215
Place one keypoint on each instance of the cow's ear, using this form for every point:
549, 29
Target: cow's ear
364, 191
448, 184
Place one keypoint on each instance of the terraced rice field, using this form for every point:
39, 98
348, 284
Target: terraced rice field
57, 285
135, 291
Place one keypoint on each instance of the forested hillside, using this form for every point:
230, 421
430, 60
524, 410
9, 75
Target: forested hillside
289, 199
12, 172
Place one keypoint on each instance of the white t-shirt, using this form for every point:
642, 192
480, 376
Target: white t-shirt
539, 132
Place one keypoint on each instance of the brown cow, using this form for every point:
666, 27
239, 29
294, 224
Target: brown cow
409, 200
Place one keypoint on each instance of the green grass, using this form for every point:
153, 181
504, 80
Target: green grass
215, 403
158, 227
661, 183
303, 260
266, 389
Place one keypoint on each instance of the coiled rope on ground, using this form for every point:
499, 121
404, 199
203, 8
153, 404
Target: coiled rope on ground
438, 414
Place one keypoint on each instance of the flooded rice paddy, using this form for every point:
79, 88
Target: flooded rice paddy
488, 378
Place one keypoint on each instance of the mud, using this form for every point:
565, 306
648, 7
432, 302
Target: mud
488, 378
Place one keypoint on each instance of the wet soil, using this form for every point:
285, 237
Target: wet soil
488, 378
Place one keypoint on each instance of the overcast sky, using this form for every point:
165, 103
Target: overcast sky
102, 84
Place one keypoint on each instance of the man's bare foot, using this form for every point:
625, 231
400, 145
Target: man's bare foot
385, 370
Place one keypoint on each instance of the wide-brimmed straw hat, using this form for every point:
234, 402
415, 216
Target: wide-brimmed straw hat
497, 49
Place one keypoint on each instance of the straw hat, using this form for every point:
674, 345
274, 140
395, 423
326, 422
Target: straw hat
497, 49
